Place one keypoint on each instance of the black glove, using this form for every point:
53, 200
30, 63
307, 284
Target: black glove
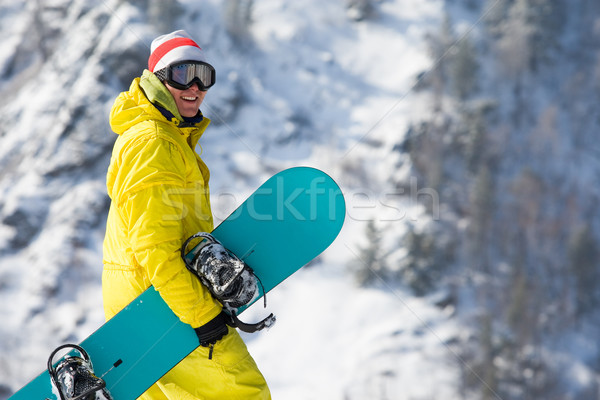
213, 330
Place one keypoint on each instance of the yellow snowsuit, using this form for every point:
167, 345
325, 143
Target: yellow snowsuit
159, 191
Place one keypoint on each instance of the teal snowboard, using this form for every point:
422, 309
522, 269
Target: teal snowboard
284, 224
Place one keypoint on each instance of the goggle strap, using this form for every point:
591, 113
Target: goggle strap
161, 74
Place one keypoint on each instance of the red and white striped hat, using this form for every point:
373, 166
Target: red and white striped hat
171, 48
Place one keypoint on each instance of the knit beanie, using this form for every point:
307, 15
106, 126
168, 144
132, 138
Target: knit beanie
171, 48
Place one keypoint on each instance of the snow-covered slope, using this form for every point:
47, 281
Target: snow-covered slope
310, 83
322, 83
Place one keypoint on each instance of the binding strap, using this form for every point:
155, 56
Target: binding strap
234, 321
267, 322
207, 236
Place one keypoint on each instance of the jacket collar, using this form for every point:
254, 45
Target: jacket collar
163, 101
188, 122
158, 94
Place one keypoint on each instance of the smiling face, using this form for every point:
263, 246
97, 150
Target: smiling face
188, 101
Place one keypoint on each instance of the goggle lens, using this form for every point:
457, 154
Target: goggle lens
184, 75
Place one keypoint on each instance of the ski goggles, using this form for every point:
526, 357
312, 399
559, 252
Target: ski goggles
184, 74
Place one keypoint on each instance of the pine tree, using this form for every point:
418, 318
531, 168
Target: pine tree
548, 18
584, 253
518, 315
475, 146
238, 18
488, 370
421, 269
439, 44
515, 42
482, 208
464, 69
370, 264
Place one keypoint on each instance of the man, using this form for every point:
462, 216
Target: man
158, 187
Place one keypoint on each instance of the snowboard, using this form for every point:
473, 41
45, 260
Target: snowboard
288, 221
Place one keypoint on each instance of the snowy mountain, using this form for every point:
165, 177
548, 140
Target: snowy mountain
463, 136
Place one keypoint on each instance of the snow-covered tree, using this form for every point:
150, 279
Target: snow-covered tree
584, 253
369, 266
464, 69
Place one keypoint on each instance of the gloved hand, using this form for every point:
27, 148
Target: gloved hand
213, 330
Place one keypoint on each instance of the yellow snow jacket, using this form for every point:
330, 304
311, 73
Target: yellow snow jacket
159, 191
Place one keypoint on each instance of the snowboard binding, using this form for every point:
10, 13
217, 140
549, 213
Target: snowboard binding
74, 377
229, 279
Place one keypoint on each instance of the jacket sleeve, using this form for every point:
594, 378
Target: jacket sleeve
152, 205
